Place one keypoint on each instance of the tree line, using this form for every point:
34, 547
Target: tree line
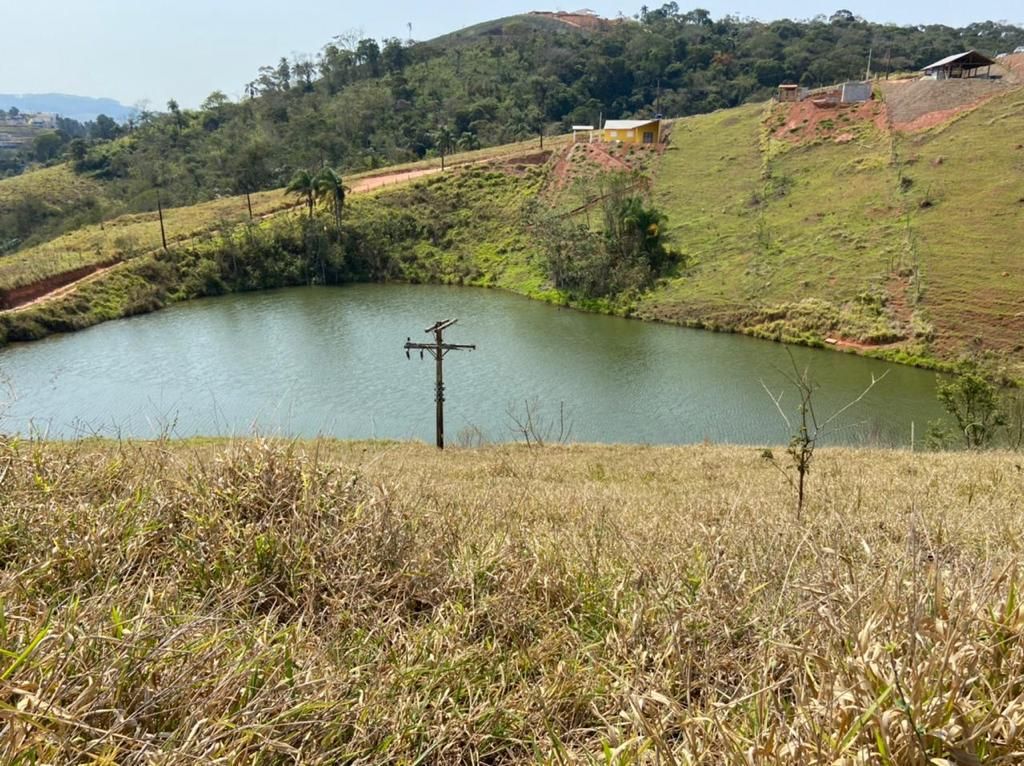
360, 103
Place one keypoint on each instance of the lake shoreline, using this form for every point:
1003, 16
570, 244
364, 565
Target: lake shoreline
621, 382
883, 352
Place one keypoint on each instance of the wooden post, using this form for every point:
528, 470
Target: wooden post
438, 349
160, 212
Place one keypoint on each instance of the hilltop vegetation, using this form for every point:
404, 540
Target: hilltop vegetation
373, 603
364, 104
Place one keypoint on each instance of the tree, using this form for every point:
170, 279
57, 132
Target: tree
151, 171
78, 149
104, 128
329, 186
444, 140
176, 115
808, 431
541, 88
974, 404
303, 186
250, 171
46, 146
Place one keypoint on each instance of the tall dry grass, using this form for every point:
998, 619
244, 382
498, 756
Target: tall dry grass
265, 602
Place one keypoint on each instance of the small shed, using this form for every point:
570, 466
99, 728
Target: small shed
959, 66
632, 131
789, 93
582, 134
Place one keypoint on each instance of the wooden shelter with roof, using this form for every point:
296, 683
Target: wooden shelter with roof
959, 66
583, 134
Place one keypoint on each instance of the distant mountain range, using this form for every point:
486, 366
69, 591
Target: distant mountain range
81, 108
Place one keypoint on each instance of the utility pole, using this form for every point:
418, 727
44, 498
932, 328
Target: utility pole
160, 212
438, 349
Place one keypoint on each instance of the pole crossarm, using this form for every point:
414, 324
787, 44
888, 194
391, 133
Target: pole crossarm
437, 350
441, 326
433, 347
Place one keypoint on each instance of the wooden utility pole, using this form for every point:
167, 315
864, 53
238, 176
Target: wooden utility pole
438, 349
160, 213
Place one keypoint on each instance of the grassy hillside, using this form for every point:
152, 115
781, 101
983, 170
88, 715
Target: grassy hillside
907, 244
373, 603
128, 236
787, 239
967, 200
40, 203
803, 226
464, 227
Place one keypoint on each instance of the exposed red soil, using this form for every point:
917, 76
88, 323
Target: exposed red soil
30, 294
577, 20
807, 121
934, 119
595, 156
518, 165
917, 104
857, 345
389, 179
1003, 323
898, 302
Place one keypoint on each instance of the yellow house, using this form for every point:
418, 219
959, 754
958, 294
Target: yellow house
632, 131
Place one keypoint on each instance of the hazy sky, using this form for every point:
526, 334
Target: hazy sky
158, 49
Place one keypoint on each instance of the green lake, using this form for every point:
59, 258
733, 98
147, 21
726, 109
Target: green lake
330, 361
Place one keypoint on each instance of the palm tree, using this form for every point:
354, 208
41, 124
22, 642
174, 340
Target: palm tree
303, 185
329, 185
444, 139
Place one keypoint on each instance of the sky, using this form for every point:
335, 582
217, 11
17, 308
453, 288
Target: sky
153, 50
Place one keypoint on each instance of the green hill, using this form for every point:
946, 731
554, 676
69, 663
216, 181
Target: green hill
359, 105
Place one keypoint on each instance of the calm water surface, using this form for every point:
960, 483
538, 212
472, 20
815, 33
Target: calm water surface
329, 361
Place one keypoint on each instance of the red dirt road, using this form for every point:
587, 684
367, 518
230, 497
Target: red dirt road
63, 284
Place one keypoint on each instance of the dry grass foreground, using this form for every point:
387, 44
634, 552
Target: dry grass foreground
267, 602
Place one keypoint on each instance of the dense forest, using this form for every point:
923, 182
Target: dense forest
360, 103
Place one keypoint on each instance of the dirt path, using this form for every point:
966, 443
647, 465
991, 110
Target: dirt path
64, 290
360, 186
392, 179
